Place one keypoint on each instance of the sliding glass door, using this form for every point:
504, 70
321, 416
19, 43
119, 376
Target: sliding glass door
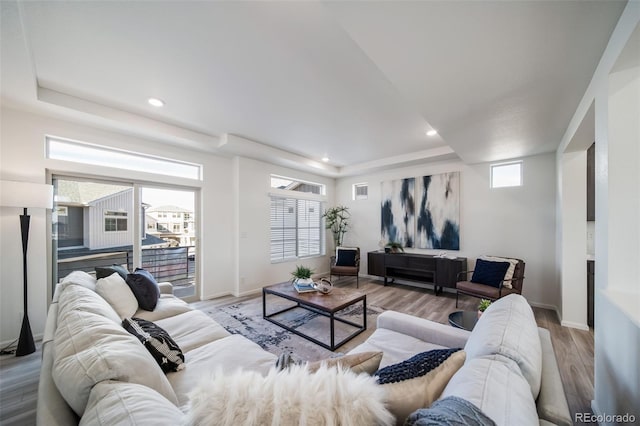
169, 246
97, 223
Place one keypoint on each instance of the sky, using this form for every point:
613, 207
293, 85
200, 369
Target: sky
162, 197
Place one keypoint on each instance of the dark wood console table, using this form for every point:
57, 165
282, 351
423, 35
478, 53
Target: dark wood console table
420, 268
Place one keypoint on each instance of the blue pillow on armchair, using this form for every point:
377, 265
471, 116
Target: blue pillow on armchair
346, 257
489, 273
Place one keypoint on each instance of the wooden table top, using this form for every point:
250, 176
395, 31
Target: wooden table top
338, 299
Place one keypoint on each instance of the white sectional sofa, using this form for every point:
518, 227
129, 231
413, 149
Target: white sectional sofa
510, 371
95, 372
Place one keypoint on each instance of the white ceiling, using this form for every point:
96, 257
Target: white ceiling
359, 82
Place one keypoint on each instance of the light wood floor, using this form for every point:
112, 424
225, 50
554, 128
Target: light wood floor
573, 348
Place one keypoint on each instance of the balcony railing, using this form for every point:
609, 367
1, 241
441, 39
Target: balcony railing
174, 264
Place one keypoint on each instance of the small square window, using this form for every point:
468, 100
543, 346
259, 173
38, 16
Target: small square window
506, 174
360, 191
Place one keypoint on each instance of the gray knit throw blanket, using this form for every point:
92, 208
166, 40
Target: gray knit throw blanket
450, 411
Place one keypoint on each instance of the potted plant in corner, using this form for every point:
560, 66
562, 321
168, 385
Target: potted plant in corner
336, 220
484, 304
393, 247
302, 275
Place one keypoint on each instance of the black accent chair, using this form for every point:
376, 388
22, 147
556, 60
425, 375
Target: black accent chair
346, 263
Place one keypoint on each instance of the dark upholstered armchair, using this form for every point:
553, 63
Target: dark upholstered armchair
346, 262
472, 285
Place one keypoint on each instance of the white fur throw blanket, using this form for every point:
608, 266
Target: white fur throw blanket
330, 396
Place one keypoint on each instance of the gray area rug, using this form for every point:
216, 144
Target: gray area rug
245, 318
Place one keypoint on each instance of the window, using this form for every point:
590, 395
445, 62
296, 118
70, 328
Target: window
360, 191
115, 221
290, 184
506, 174
176, 228
296, 228
79, 152
98, 230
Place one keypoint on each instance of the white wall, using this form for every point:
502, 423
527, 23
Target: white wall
573, 251
615, 90
617, 307
23, 159
255, 269
518, 222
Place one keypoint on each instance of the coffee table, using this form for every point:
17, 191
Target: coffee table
464, 319
327, 305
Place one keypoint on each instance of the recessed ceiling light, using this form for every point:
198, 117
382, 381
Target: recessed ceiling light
156, 102
432, 132
325, 159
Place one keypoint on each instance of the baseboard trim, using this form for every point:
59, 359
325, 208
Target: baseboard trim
217, 295
577, 325
248, 293
553, 308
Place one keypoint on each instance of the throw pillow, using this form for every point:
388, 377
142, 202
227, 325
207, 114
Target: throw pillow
418, 381
449, 411
489, 273
145, 288
363, 362
162, 347
294, 396
346, 257
105, 271
512, 268
115, 290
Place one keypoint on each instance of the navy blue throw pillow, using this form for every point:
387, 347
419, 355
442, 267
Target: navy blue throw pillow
144, 288
107, 271
346, 257
416, 366
489, 273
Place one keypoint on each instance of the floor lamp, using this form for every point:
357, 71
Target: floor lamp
25, 195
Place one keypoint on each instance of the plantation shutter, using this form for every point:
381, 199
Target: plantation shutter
309, 222
296, 228
283, 229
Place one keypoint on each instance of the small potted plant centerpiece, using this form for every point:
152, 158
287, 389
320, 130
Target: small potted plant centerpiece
393, 247
484, 304
302, 275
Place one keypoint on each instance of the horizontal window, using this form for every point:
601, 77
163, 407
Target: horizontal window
78, 152
290, 184
115, 224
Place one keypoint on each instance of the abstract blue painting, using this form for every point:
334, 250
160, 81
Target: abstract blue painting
397, 222
438, 223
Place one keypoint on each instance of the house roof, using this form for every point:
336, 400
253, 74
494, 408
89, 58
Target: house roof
83, 193
149, 240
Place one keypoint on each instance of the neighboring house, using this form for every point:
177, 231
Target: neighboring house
172, 224
95, 216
